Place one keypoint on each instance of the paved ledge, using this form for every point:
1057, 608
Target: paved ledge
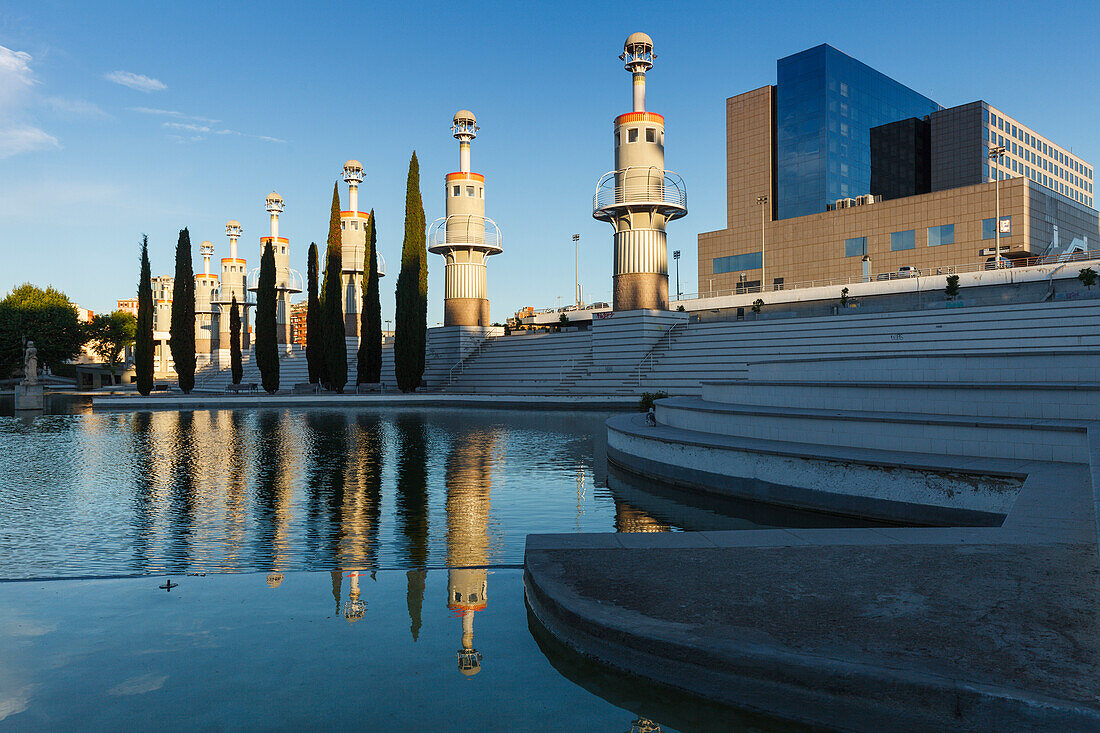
200, 401
808, 626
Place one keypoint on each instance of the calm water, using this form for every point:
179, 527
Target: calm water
112, 493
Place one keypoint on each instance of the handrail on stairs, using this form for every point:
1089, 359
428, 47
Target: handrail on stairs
461, 363
666, 339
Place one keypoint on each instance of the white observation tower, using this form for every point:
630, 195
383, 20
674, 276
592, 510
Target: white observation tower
639, 197
287, 281
465, 237
233, 285
354, 247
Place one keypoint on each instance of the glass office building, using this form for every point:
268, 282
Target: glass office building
826, 104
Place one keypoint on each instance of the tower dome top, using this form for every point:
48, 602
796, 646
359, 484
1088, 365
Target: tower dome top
274, 197
353, 164
636, 39
232, 223
464, 115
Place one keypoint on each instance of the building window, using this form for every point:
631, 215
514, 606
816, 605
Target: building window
736, 263
343, 224
650, 135
480, 192
616, 138
457, 190
632, 135
355, 225
470, 191
943, 234
903, 240
987, 227
855, 247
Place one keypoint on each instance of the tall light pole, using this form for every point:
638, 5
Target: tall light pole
576, 271
996, 153
676, 256
762, 201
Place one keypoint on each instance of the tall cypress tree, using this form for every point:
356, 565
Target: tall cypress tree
143, 341
182, 329
332, 308
369, 363
411, 319
235, 367
266, 350
314, 336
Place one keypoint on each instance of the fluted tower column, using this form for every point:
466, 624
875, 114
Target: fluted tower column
353, 240
465, 237
287, 281
206, 313
640, 197
234, 284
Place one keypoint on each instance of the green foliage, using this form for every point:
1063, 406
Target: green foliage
314, 338
648, 398
369, 362
681, 308
1087, 277
335, 374
844, 298
952, 289
757, 305
182, 330
143, 338
235, 366
563, 319
411, 319
267, 348
110, 334
43, 316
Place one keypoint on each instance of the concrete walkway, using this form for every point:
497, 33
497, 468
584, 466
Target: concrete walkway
960, 628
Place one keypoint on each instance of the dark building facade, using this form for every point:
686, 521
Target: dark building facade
901, 158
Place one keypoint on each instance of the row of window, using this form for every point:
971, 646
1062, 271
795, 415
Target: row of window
736, 263
471, 191
1039, 145
1031, 157
630, 135
937, 236
1011, 166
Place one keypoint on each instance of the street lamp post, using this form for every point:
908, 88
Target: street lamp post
762, 201
576, 271
676, 256
996, 153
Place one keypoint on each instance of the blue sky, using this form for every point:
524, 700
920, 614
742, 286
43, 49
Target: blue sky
123, 118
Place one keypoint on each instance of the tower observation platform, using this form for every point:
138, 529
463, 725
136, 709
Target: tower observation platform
639, 197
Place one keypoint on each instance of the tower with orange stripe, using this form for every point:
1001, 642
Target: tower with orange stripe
640, 197
465, 236
354, 247
288, 281
234, 284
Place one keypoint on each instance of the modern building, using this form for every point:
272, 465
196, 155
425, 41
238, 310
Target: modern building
298, 322
839, 172
465, 236
639, 197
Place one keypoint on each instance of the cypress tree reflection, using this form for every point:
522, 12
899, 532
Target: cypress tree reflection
363, 497
271, 499
236, 496
182, 495
325, 484
144, 500
412, 508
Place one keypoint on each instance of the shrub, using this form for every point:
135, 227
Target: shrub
952, 289
757, 305
648, 398
1087, 277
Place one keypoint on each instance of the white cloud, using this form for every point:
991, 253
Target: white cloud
139, 82
77, 107
172, 113
17, 134
199, 132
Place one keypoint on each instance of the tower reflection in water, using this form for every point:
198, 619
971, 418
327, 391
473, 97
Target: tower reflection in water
469, 482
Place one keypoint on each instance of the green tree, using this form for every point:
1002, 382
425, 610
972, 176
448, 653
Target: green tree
29, 313
266, 349
182, 329
844, 298
235, 366
411, 318
110, 334
1087, 277
143, 344
332, 307
369, 361
757, 305
314, 337
952, 290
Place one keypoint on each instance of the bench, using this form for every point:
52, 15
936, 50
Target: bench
238, 388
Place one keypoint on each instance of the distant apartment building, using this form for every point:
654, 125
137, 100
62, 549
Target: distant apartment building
298, 322
839, 171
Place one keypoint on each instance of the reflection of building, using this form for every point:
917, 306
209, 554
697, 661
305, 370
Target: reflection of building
469, 481
354, 606
838, 171
629, 519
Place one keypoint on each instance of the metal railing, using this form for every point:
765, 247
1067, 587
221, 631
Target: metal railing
914, 274
293, 283
642, 186
456, 370
666, 341
458, 230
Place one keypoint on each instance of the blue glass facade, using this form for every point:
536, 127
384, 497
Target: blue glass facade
826, 104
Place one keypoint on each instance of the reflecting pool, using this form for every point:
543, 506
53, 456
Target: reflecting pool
115, 493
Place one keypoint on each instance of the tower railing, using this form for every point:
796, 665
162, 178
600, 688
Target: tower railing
293, 282
640, 186
464, 230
